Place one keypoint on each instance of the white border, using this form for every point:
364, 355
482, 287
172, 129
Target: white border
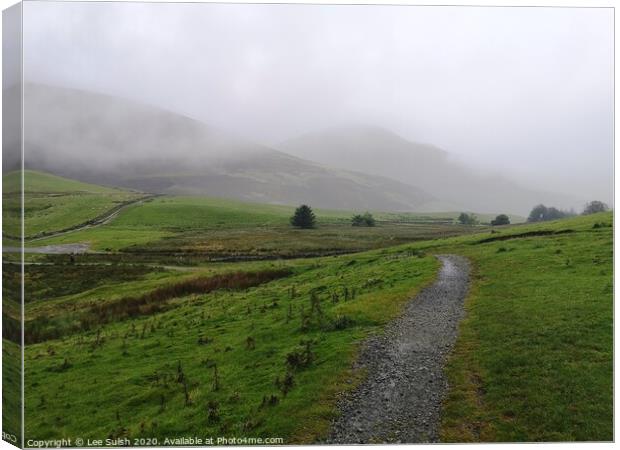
497, 3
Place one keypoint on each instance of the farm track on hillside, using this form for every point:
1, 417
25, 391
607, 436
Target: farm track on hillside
97, 221
102, 219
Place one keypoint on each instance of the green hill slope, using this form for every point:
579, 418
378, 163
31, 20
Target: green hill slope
534, 359
54, 204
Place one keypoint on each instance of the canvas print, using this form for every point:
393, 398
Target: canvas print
276, 224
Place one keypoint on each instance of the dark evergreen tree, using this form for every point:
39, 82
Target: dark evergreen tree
303, 217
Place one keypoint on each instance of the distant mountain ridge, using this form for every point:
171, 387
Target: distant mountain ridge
380, 152
111, 141
106, 140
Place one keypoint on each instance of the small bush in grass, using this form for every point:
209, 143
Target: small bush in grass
251, 423
216, 379
186, 392
335, 297
250, 343
180, 374
302, 358
209, 363
66, 365
213, 411
271, 400
204, 340
363, 220
289, 313
342, 323
286, 384
600, 225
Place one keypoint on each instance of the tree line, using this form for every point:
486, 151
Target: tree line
541, 213
304, 217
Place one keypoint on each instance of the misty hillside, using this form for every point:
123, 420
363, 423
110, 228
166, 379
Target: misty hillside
378, 151
107, 140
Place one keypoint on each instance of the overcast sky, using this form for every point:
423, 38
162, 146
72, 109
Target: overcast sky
528, 91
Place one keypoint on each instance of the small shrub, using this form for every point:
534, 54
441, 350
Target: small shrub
208, 363
66, 365
213, 411
342, 323
180, 374
363, 220
204, 340
251, 423
272, 400
286, 384
216, 379
302, 358
186, 392
250, 343
372, 282
289, 313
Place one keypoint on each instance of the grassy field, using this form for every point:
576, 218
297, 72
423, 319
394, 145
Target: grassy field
213, 317
224, 229
534, 358
263, 361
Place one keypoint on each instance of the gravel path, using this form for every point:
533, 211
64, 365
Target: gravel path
400, 400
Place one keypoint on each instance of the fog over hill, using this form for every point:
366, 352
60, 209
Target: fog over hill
375, 150
519, 100
106, 140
